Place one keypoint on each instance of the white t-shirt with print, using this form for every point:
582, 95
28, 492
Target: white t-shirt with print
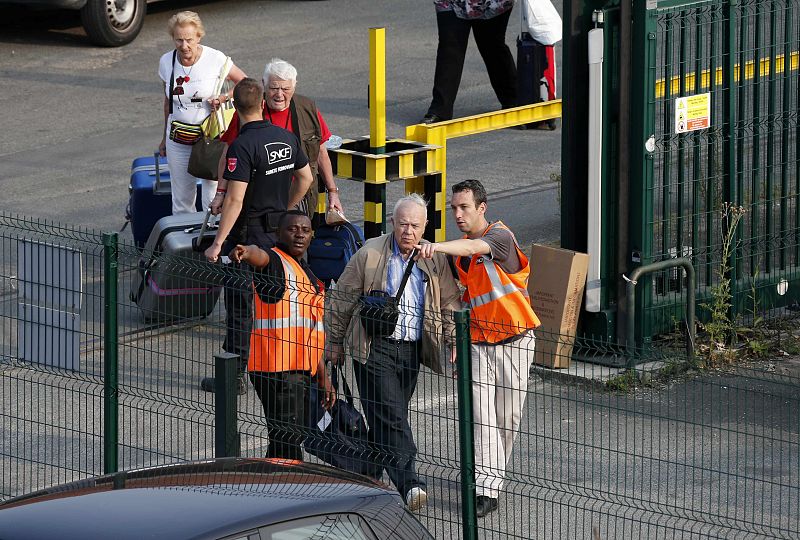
200, 86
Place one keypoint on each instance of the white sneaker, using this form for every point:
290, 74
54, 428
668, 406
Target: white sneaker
416, 498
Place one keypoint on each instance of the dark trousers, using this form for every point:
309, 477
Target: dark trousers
490, 37
284, 397
386, 383
239, 314
239, 297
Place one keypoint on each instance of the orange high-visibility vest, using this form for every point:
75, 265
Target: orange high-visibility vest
500, 306
288, 335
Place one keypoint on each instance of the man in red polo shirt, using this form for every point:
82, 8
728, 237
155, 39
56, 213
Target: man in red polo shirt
299, 115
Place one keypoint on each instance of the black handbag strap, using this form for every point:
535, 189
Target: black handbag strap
348, 395
172, 79
406, 275
354, 233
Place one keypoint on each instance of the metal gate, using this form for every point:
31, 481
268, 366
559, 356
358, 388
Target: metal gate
713, 155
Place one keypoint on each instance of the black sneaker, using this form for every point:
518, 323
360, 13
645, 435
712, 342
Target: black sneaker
485, 505
432, 119
209, 384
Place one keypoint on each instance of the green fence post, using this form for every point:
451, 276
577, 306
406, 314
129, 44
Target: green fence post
733, 192
643, 144
465, 425
110, 353
226, 391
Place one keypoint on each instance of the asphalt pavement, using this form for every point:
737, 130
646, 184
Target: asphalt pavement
77, 114
685, 461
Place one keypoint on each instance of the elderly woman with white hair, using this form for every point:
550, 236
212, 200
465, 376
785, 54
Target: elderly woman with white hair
298, 114
191, 73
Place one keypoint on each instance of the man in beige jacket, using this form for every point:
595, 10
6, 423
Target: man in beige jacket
386, 368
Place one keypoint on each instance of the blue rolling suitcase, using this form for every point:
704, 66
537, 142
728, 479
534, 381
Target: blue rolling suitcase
151, 196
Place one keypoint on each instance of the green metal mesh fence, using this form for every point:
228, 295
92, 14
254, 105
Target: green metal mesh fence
747, 163
51, 327
687, 455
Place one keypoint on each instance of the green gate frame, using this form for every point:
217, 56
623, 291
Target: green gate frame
745, 54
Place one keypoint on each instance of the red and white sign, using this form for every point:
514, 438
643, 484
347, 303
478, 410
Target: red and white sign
232, 164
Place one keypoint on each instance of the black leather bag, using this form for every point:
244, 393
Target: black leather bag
207, 151
343, 443
379, 311
204, 159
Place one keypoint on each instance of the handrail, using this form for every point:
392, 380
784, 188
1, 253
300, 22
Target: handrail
438, 133
682, 262
491, 121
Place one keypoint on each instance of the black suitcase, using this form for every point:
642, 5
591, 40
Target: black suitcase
171, 283
535, 75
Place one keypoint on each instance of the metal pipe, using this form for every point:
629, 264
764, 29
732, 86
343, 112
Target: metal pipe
682, 262
226, 392
594, 227
377, 90
375, 194
624, 158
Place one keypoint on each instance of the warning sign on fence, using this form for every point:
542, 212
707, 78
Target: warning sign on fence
692, 113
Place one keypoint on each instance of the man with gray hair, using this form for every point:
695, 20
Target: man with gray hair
386, 367
299, 115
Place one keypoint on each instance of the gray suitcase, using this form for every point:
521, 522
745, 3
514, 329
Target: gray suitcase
174, 280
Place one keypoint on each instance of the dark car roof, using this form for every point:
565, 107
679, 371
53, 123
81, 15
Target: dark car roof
200, 500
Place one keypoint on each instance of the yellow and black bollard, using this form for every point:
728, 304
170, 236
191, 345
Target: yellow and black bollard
375, 161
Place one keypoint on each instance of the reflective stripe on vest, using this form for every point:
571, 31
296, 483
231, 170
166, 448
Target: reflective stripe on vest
288, 335
294, 319
498, 289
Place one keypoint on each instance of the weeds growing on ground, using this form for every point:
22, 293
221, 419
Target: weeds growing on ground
624, 382
720, 329
727, 340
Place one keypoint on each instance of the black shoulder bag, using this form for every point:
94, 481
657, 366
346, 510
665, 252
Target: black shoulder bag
172, 81
379, 311
343, 442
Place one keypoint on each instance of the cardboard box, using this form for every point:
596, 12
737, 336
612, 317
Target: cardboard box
556, 285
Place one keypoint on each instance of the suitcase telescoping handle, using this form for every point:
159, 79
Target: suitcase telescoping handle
157, 187
202, 241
